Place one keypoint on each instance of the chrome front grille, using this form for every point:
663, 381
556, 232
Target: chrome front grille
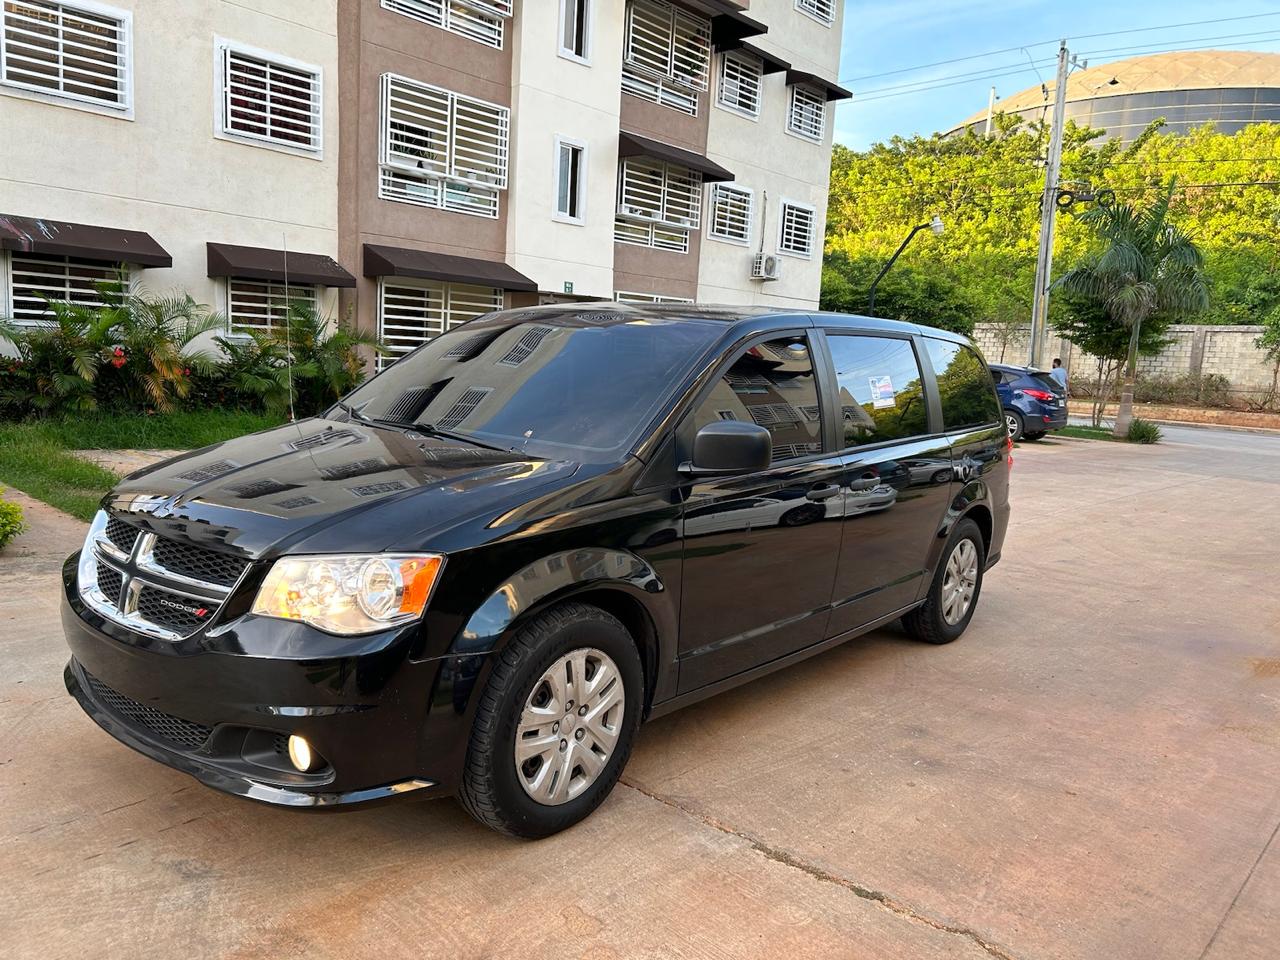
160, 587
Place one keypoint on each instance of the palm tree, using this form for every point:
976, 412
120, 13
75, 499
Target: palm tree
1146, 265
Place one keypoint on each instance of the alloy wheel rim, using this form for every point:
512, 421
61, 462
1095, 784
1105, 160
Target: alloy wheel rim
569, 726
1012, 424
959, 582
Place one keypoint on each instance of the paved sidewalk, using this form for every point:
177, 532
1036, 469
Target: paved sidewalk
1093, 771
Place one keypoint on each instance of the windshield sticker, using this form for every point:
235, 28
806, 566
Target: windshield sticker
881, 392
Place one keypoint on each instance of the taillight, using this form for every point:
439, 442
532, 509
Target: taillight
1044, 396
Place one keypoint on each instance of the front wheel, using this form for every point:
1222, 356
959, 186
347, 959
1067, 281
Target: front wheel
555, 723
953, 595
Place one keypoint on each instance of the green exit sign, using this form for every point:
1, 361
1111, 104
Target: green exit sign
568, 286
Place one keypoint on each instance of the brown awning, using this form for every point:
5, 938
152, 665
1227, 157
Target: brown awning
730, 29
833, 91
59, 238
262, 263
634, 145
772, 64
380, 261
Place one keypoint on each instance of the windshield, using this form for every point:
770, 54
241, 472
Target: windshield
564, 385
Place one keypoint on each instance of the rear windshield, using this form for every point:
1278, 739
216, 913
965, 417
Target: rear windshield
1050, 384
583, 391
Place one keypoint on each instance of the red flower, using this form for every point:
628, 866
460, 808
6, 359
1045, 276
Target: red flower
186, 371
118, 362
119, 351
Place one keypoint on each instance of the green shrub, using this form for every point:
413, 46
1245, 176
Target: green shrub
11, 522
1143, 431
1209, 389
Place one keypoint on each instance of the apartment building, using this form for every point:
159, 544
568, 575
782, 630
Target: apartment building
193, 142
416, 163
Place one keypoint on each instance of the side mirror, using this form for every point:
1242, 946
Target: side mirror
730, 446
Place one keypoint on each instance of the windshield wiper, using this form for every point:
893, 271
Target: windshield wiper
353, 412
430, 429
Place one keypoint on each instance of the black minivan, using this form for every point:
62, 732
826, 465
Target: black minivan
479, 572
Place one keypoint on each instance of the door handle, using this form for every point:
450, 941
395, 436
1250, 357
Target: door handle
824, 492
864, 483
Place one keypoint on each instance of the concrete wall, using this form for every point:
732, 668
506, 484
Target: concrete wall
1226, 351
164, 171
773, 163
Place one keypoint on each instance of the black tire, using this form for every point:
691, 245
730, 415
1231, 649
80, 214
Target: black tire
1033, 436
491, 790
926, 622
1013, 420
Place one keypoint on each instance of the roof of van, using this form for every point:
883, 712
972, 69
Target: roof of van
606, 312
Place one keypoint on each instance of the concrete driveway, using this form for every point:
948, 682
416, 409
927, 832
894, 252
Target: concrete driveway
1093, 771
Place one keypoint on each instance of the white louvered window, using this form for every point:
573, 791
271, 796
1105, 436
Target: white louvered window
270, 99
664, 193
73, 51
411, 312
666, 54
37, 278
640, 234
824, 11
480, 20
441, 149
807, 114
796, 233
263, 305
730, 217
623, 296
741, 76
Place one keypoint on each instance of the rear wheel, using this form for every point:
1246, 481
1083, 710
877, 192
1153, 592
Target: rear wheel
555, 723
1034, 436
1013, 419
953, 595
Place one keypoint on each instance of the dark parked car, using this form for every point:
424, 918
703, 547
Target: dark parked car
484, 568
1034, 403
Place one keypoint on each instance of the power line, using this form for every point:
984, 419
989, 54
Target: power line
1040, 43
951, 80
1257, 38
976, 74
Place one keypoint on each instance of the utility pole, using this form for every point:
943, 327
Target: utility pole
1048, 215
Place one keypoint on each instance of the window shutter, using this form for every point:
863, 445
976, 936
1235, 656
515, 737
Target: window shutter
807, 115
525, 346
263, 305
730, 213
740, 78
797, 230
37, 278
411, 312
824, 10
463, 407
480, 137
666, 54
268, 101
60, 49
663, 192
479, 20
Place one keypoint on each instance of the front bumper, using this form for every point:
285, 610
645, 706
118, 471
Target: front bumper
220, 705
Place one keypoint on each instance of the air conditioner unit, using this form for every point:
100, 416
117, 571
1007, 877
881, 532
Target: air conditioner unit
766, 266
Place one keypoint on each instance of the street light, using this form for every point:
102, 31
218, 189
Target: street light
935, 224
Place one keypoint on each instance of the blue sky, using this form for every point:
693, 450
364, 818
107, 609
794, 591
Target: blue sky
889, 35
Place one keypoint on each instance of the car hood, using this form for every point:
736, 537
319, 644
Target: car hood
328, 487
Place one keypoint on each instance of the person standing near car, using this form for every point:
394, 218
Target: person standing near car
1059, 373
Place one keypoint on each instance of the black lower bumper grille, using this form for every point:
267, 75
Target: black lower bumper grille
162, 726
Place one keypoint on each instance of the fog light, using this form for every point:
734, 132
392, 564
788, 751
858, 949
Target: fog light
301, 755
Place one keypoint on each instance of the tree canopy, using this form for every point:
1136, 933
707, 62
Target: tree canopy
987, 191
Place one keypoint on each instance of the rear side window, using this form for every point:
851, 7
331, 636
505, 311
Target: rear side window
964, 385
878, 379
771, 384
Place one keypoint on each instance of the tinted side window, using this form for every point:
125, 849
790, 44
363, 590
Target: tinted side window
968, 396
879, 383
771, 384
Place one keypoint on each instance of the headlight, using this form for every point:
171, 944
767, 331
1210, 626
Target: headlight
349, 594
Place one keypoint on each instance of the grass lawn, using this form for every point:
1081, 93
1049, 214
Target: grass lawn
36, 458
1086, 433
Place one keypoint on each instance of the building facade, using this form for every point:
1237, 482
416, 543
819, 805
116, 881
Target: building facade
412, 164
